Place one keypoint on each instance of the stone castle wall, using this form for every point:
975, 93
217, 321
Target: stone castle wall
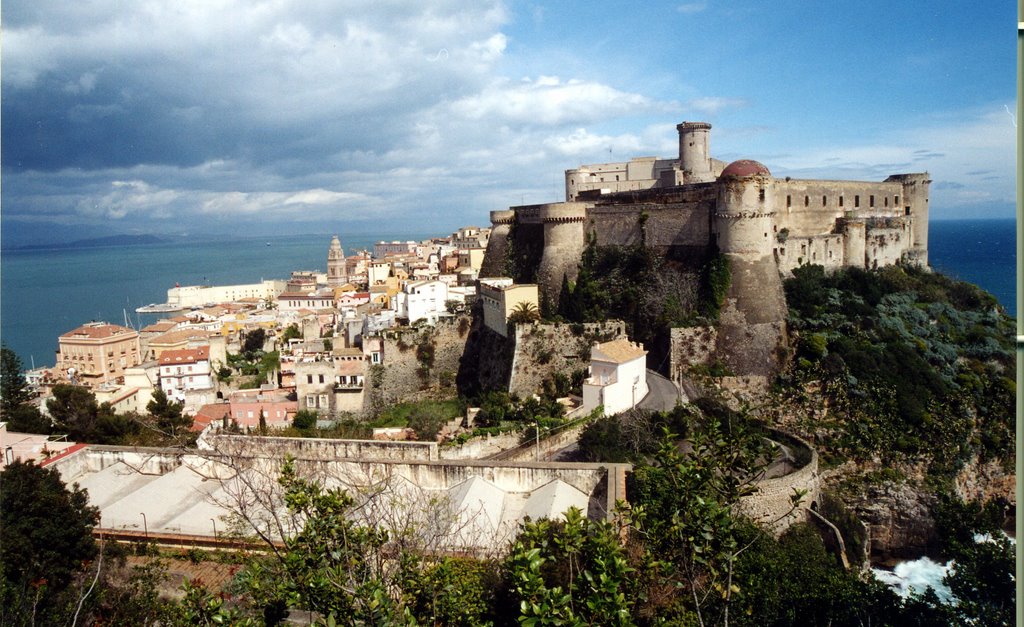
403, 374
772, 504
544, 349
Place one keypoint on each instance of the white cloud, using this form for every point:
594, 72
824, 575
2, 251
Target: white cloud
548, 101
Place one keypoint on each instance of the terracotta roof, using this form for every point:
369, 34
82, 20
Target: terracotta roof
208, 414
618, 351
185, 355
97, 331
160, 326
175, 337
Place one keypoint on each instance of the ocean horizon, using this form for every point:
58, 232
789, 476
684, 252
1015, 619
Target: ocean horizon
50, 291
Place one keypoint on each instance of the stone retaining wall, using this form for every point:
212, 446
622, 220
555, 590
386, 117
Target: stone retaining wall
772, 505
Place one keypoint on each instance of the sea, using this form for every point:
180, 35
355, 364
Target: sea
45, 292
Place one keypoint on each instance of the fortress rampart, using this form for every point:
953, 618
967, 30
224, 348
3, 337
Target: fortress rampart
694, 205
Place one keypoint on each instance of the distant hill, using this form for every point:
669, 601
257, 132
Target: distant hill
95, 242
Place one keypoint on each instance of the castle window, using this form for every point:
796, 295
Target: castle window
840, 201
886, 201
895, 200
871, 200
824, 200
766, 236
760, 195
906, 211
856, 201
807, 201
616, 177
789, 200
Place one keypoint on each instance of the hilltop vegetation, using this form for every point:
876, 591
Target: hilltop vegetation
909, 365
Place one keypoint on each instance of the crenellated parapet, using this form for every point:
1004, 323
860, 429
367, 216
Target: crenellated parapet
563, 213
504, 217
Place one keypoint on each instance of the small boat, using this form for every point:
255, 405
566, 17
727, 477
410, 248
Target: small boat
155, 308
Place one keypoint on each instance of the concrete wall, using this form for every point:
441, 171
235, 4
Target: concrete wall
497, 246
743, 218
828, 251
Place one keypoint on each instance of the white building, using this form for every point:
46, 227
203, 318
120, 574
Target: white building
422, 300
198, 295
618, 376
294, 301
183, 371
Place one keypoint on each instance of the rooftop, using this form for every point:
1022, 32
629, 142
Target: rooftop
97, 331
618, 351
185, 355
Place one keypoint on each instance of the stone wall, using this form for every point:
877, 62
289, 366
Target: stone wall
772, 504
544, 349
481, 447
416, 361
323, 449
690, 346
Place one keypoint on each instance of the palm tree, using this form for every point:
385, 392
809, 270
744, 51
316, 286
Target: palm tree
524, 312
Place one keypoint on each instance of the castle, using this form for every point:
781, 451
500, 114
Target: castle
693, 206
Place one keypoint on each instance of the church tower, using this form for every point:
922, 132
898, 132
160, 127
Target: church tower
337, 274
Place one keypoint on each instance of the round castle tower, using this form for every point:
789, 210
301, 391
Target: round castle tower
497, 245
694, 152
564, 242
337, 274
745, 210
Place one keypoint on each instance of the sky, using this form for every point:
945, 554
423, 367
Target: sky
247, 117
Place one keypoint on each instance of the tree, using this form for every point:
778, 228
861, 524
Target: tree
45, 538
524, 312
426, 421
74, 411
575, 572
21, 415
304, 419
332, 566
254, 341
167, 414
291, 332
14, 390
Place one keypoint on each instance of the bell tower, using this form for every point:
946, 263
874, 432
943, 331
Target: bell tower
337, 274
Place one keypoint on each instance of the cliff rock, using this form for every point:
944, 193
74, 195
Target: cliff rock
899, 520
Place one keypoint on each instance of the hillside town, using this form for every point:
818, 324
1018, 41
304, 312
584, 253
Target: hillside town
325, 327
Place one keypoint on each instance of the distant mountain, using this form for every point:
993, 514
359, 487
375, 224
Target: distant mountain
95, 242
